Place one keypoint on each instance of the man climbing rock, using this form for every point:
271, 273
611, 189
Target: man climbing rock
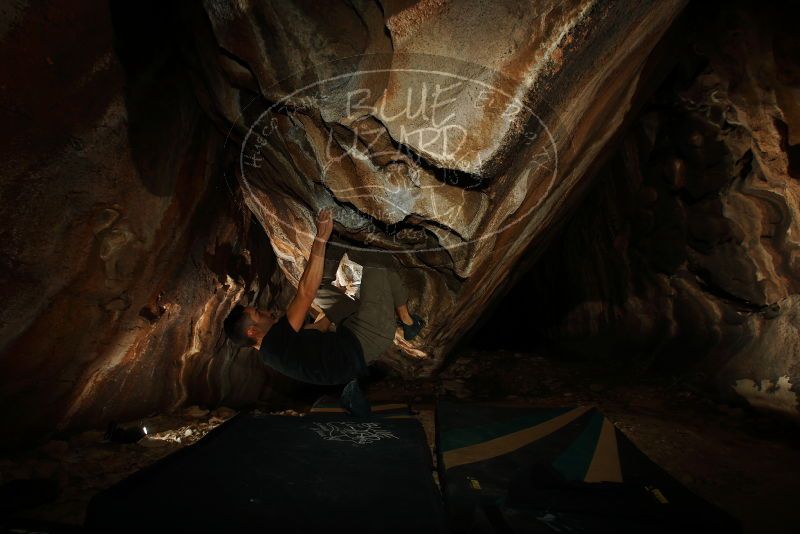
314, 353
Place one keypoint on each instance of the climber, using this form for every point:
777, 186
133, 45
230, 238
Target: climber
312, 352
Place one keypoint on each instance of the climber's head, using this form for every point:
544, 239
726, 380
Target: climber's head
246, 326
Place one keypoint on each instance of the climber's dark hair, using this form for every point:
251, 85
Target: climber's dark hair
235, 324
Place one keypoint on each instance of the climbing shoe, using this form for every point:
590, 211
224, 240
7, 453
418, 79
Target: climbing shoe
410, 331
354, 401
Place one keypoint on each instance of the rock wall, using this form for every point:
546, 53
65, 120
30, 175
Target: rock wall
684, 255
452, 134
121, 250
148, 147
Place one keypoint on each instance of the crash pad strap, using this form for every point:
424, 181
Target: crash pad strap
375, 408
509, 443
605, 465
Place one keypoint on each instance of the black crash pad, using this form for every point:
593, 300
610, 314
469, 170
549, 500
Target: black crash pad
284, 474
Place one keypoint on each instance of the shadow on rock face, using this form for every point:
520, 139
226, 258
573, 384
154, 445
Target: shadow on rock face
147, 40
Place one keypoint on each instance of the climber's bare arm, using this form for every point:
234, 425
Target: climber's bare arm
312, 275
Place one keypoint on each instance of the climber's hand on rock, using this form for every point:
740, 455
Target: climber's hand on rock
324, 224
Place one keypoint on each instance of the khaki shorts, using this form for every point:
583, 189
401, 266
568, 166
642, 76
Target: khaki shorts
371, 318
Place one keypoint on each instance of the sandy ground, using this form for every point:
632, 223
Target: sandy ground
746, 463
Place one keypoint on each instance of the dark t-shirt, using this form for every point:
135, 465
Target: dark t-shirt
323, 358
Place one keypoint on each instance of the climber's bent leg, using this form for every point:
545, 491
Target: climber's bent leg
374, 324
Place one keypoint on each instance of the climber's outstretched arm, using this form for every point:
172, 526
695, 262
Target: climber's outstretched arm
312, 275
